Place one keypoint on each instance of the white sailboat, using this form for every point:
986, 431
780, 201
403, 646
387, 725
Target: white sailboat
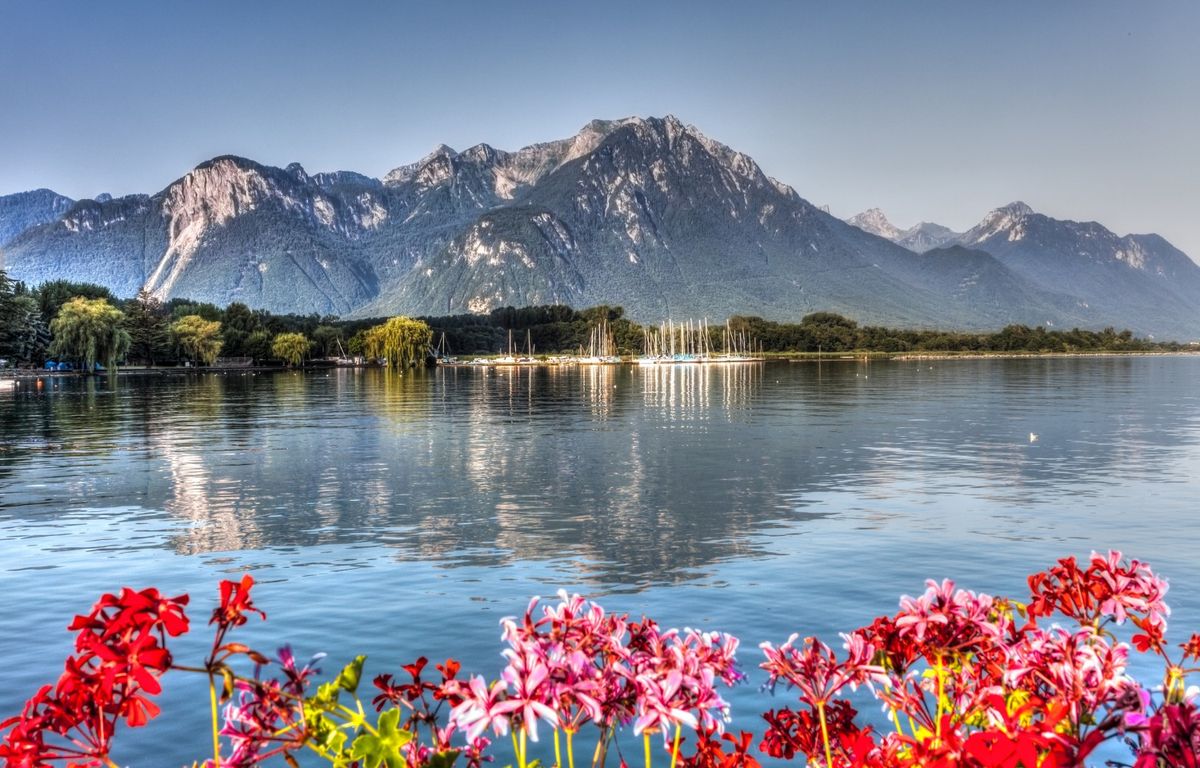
689, 343
602, 349
528, 359
441, 353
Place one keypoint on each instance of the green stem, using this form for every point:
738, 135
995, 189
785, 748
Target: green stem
212, 697
522, 748
675, 746
570, 751
825, 735
646, 741
941, 688
557, 751
600, 755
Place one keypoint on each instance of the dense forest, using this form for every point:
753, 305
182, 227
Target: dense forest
150, 332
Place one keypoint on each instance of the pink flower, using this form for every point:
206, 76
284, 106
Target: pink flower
1081, 669
480, 709
661, 704
815, 670
527, 675
1132, 587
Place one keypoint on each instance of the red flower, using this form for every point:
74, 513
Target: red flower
1191, 649
120, 654
235, 603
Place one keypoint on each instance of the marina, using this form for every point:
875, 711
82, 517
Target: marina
686, 343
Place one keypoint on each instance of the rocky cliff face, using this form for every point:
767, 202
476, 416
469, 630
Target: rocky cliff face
649, 213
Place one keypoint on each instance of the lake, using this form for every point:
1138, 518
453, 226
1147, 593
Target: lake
405, 515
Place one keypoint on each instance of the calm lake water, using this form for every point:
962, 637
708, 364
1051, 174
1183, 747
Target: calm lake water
405, 515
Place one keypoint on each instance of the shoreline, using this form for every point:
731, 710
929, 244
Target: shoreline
912, 356
770, 357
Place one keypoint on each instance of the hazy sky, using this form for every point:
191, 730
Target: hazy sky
929, 110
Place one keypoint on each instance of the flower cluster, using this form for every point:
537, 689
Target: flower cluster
120, 653
266, 717
423, 701
966, 680
972, 681
1108, 589
576, 664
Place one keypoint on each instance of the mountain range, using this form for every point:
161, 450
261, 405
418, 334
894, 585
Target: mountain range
647, 213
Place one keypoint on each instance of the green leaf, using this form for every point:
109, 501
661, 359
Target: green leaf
325, 698
324, 731
384, 748
443, 759
351, 674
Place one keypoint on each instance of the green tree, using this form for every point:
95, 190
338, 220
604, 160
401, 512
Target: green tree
402, 341
181, 308
52, 295
257, 346
326, 338
90, 330
197, 338
357, 344
292, 348
237, 323
23, 333
146, 320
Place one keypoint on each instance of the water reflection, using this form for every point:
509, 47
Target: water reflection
633, 476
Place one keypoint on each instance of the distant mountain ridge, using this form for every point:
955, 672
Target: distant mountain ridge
648, 213
25, 210
920, 237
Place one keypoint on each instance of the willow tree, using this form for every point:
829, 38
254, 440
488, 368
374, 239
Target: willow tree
291, 347
199, 339
401, 340
90, 330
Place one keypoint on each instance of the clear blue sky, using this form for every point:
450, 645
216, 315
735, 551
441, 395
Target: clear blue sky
929, 110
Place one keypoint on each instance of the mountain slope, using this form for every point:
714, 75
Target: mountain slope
231, 230
649, 214
1135, 281
24, 210
982, 281
666, 222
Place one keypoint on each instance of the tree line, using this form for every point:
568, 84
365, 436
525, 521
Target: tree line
560, 329
85, 325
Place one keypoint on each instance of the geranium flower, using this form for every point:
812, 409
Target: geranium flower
479, 709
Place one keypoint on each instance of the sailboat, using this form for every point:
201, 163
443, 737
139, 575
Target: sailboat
529, 359
689, 343
601, 347
510, 358
739, 348
673, 344
441, 354
343, 360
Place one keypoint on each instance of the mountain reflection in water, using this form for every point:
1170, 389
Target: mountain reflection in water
636, 475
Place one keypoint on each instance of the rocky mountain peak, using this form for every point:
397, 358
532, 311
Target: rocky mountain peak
23, 210
876, 222
296, 171
1011, 220
1016, 208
